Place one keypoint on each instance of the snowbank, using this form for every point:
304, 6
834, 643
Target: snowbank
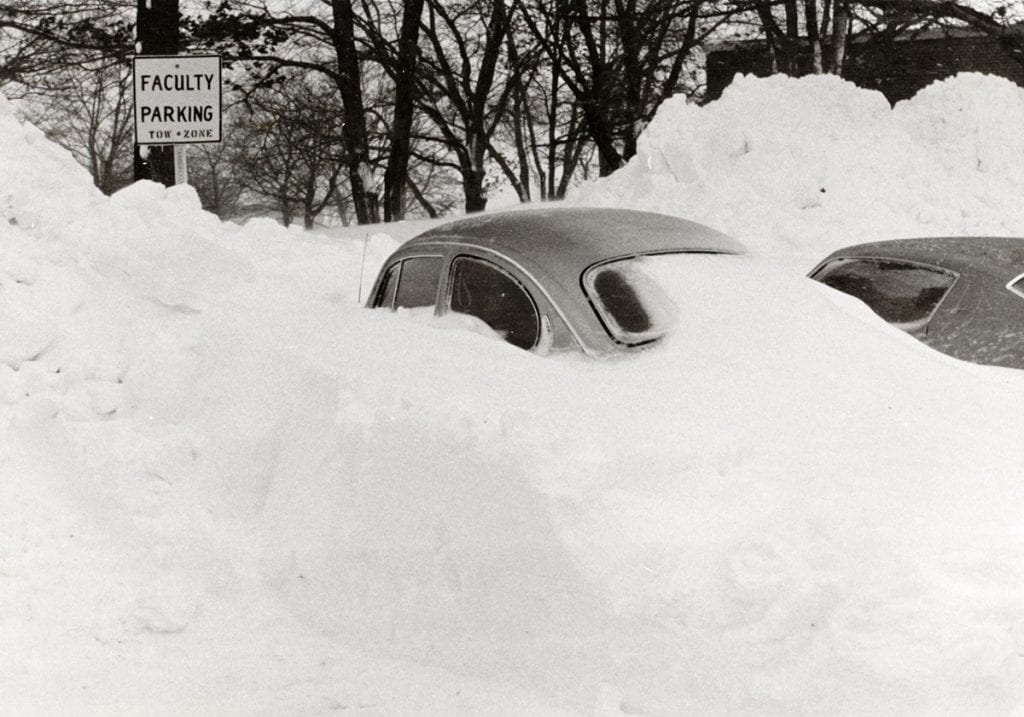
225, 488
800, 167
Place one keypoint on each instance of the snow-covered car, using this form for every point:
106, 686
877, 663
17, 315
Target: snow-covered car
961, 295
549, 279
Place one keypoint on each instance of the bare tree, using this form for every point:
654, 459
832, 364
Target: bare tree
213, 169
405, 70
620, 59
324, 38
290, 147
39, 37
88, 110
466, 87
453, 77
812, 35
544, 123
434, 89
818, 28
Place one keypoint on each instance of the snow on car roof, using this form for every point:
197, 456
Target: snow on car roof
571, 239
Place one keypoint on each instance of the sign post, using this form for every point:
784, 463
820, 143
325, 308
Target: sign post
177, 102
181, 164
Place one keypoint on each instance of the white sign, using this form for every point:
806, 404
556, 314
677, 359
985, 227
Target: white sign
177, 99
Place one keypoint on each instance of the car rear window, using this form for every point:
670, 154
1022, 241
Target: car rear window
903, 293
631, 306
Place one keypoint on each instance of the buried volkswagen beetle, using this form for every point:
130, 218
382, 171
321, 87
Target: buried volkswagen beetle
963, 296
546, 280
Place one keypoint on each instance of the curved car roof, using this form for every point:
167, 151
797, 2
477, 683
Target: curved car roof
994, 256
563, 242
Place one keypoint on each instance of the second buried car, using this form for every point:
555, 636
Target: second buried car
961, 295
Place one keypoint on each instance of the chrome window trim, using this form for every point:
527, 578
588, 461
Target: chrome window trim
460, 247
894, 260
399, 262
1011, 285
626, 257
905, 326
447, 303
604, 314
375, 292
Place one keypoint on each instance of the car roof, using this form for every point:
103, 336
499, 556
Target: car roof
565, 241
993, 256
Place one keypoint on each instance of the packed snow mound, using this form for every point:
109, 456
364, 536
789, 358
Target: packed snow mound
966, 122
41, 182
803, 166
225, 488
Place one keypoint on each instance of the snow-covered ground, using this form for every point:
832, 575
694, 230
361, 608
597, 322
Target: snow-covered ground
225, 488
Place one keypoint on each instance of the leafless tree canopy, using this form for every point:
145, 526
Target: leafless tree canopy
370, 109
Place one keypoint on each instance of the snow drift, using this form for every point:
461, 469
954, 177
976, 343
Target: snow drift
227, 489
801, 167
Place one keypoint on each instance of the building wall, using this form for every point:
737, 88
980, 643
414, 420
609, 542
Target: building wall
898, 68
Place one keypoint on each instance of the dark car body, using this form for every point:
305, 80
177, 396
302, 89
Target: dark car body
533, 275
963, 296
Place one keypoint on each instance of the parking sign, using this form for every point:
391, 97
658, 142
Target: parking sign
177, 99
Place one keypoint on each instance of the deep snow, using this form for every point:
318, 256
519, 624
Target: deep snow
800, 167
227, 489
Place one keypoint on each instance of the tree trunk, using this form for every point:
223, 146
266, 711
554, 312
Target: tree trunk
405, 93
520, 112
308, 211
473, 173
354, 136
792, 36
841, 29
341, 206
157, 24
424, 202
522, 157
473, 186
811, 17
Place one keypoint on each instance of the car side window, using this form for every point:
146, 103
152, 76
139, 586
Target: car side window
386, 291
902, 293
481, 289
410, 283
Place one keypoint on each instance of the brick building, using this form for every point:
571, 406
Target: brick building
898, 67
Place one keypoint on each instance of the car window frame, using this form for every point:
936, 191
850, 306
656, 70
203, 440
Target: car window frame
449, 285
378, 293
1012, 285
399, 263
908, 326
456, 246
627, 257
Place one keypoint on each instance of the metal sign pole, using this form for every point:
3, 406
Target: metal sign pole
181, 164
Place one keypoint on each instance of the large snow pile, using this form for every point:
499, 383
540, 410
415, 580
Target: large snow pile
227, 489
804, 166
